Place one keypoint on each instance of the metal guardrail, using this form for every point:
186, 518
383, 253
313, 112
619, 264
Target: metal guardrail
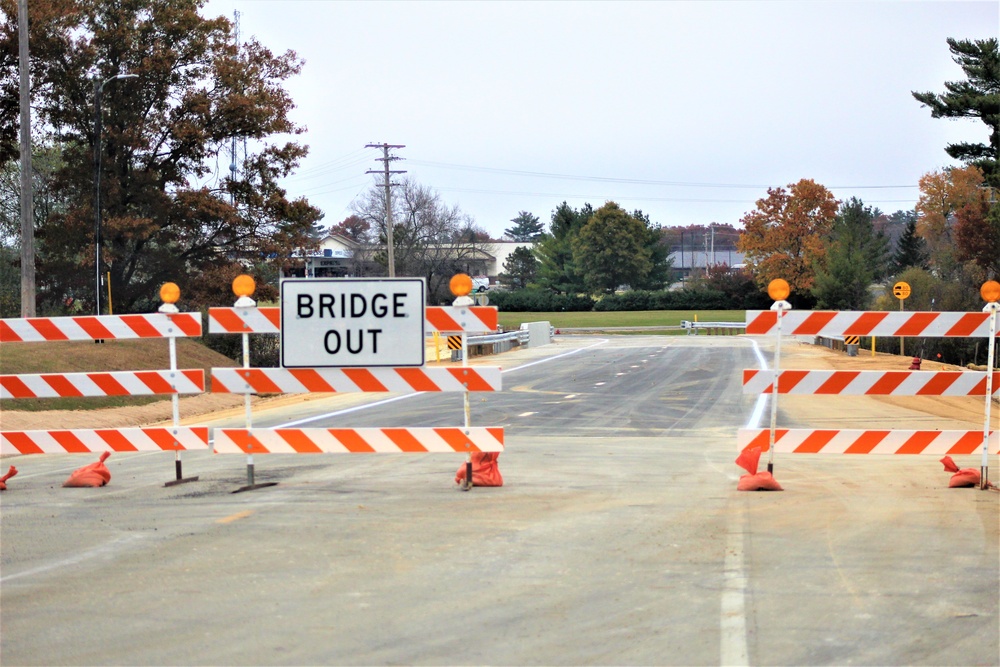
520, 336
582, 330
695, 326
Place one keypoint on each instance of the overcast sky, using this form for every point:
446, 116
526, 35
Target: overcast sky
686, 110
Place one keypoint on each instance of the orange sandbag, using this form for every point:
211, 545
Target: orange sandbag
963, 477
749, 459
3, 480
485, 470
761, 481
95, 474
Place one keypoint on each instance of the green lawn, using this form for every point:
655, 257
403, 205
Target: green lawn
642, 318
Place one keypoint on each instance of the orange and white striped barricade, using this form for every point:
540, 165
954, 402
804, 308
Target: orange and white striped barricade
167, 323
77, 441
358, 440
868, 441
888, 383
368, 440
116, 383
875, 323
99, 327
870, 383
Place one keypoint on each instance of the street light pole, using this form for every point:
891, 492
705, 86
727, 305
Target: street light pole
98, 89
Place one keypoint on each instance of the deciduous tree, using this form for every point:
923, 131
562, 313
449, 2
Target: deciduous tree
977, 236
353, 227
169, 212
611, 249
430, 238
942, 193
784, 237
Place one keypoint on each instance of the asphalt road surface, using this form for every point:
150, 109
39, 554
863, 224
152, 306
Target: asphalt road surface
618, 538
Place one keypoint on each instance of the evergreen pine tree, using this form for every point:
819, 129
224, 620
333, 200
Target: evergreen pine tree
527, 227
911, 251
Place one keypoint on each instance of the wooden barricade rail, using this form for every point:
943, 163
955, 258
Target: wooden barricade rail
99, 327
870, 383
868, 441
358, 440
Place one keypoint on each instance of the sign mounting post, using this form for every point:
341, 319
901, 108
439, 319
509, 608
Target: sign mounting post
901, 291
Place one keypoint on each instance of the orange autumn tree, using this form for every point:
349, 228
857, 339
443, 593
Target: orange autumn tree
784, 236
942, 195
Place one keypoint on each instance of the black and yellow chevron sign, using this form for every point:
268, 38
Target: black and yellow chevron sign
853, 340
454, 342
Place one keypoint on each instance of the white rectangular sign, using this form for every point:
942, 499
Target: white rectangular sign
352, 322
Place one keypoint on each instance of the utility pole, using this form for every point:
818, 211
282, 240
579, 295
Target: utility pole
712, 227
706, 251
385, 160
27, 203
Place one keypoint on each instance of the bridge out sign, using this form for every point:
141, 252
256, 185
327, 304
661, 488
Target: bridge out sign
344, 322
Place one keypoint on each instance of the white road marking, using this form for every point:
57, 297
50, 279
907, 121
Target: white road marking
733, 649
102, 550
733, 624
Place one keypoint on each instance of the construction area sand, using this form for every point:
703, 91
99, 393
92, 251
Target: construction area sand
900, 412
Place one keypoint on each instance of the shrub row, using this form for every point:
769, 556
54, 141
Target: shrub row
703, 299
539, 301
688, 299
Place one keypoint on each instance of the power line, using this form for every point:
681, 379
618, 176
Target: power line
631, 181
683, 200
342, 163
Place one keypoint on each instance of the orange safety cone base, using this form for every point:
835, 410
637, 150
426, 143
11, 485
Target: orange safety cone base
3, 480
95, 474
485, 470
756, 481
